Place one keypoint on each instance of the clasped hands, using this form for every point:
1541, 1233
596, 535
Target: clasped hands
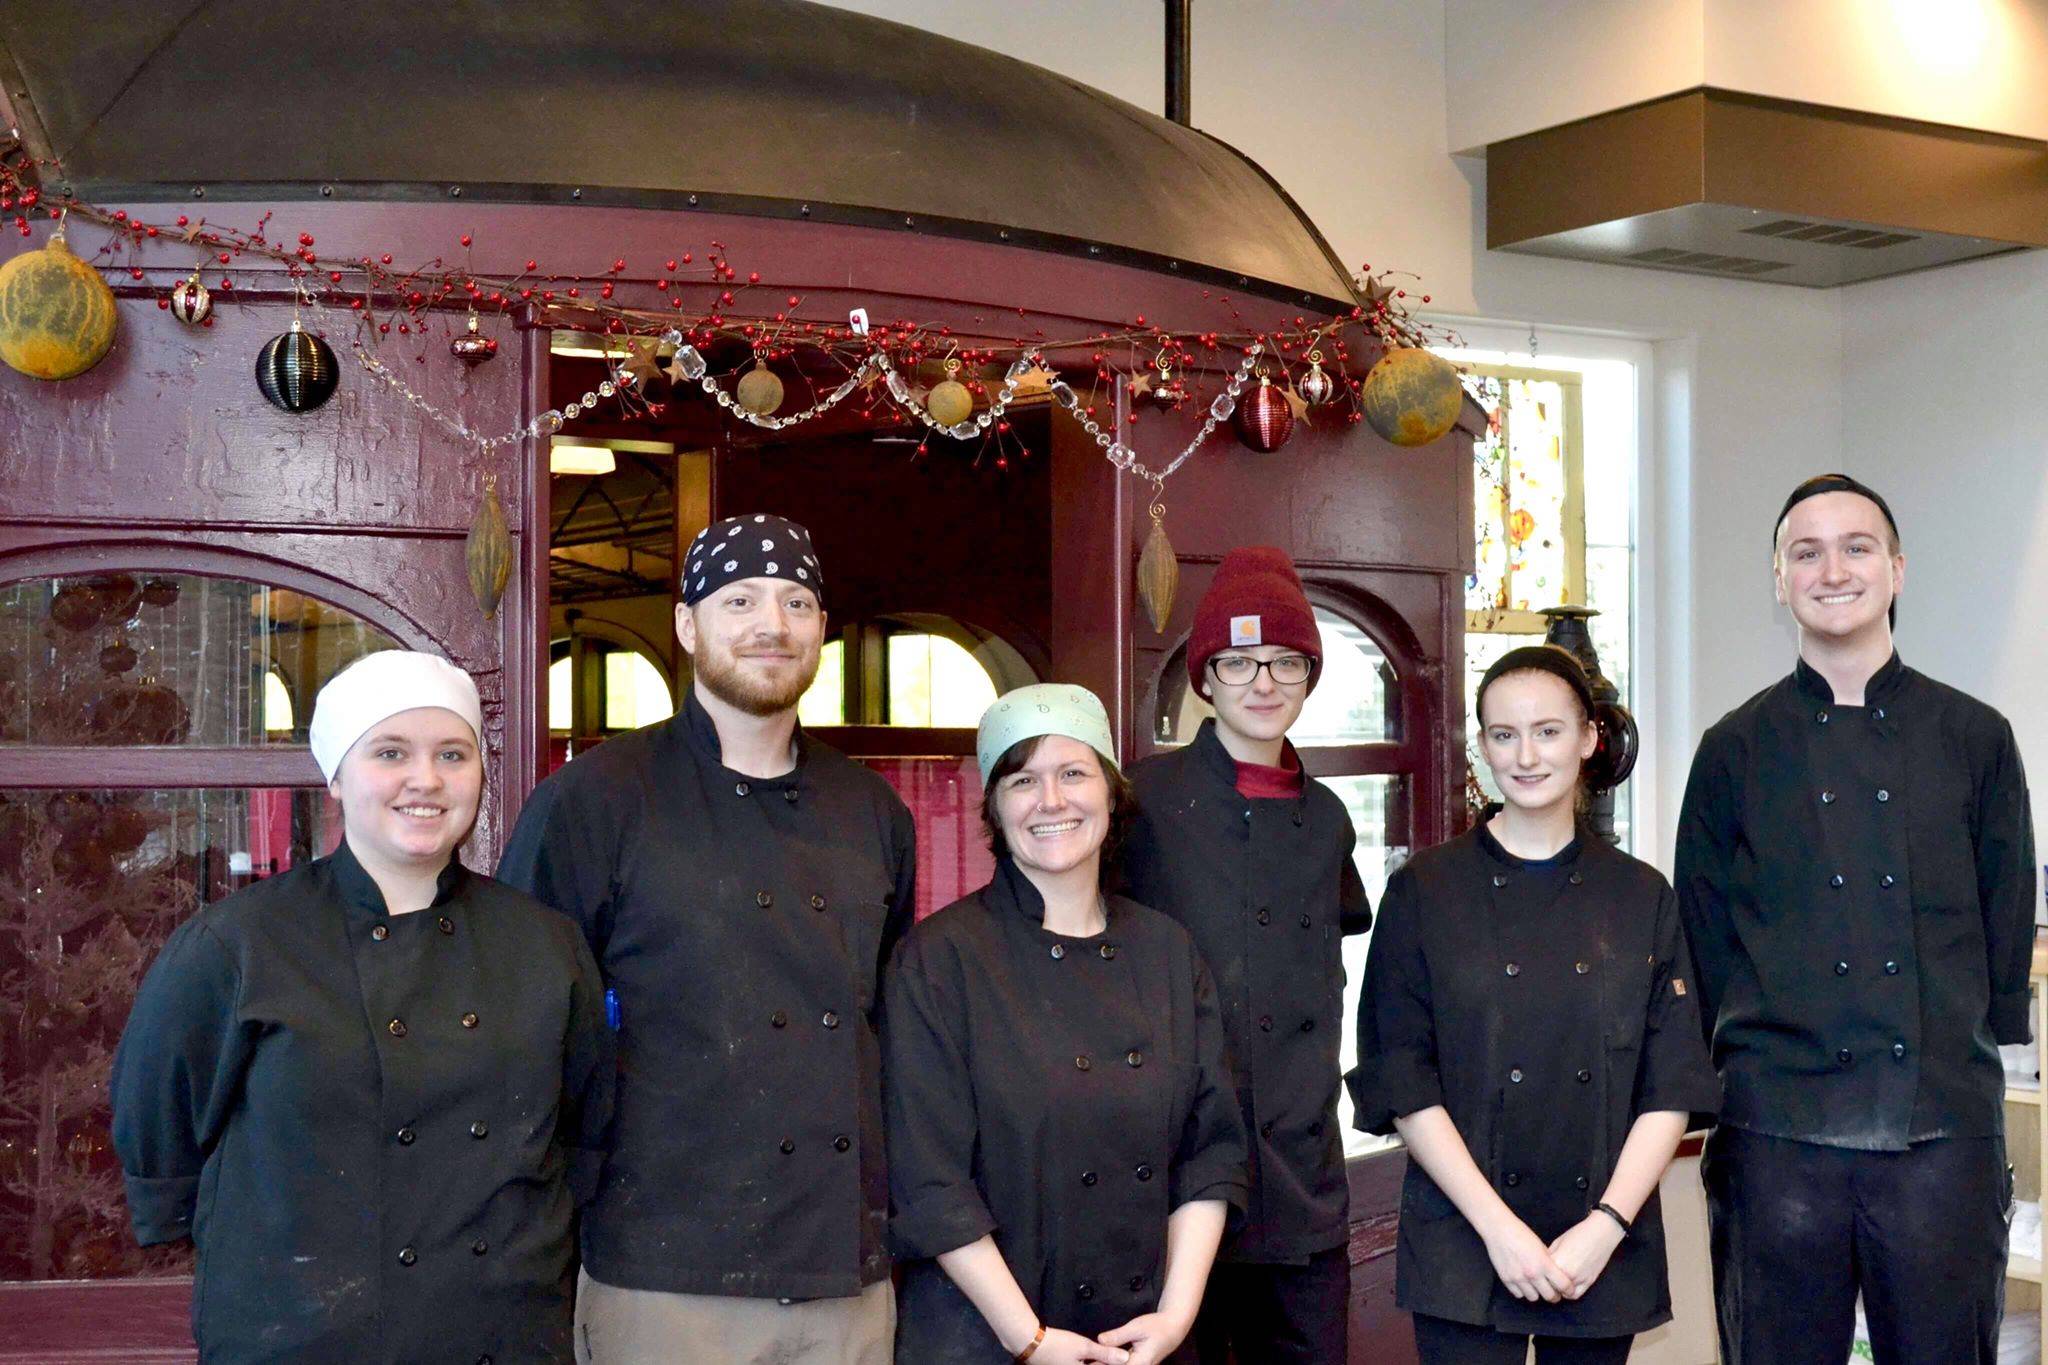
1564, 1270
1144, 1340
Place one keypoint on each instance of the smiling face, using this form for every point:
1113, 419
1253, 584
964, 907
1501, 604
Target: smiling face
409, 788
1053, 809
1262, 709
1838, 567
754, 643
1536, 739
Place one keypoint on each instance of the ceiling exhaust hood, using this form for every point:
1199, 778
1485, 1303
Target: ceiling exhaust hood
1710, 182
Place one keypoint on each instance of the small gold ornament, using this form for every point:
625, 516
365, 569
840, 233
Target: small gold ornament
1166, 391
1158, 572
949, 402
760, 390
488, 552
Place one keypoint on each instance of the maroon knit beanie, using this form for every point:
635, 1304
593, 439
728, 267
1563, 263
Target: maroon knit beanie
1255, 599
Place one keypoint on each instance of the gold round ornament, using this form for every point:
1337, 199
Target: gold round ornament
56, 313
949, 402
1412, 397
760, 391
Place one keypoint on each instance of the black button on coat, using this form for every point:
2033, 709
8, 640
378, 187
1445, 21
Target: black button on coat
1268, 889
715, 903
1015, 1108
1444, 1021
1918, 877
323, 1164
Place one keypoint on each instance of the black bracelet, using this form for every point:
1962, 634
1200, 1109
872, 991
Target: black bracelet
1614, 1213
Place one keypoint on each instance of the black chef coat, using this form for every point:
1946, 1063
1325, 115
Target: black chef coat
742, 923
1546, 1005
1268, 889
372, 1126
1065, 1094
1858, 886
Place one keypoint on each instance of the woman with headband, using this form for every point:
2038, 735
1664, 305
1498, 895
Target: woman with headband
1064, 1138
1529, 1027
372, 1089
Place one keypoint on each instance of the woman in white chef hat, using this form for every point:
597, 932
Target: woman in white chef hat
372, 1089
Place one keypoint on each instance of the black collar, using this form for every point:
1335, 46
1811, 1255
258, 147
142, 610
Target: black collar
1881, 688
1564, 857
693, 724
1220, 765
1010, 890
360, 892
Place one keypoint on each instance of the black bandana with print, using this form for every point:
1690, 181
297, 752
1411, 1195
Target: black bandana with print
759, 546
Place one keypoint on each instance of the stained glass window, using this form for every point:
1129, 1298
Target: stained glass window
1528, 512
1554, 493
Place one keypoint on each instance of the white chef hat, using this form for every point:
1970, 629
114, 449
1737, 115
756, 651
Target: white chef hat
379, 686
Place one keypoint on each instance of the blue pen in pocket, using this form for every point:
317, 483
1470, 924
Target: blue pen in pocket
611, 1008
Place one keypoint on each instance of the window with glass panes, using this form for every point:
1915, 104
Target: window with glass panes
153, 760
1553, 522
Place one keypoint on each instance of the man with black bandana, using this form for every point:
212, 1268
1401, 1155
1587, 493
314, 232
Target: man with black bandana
1856, 873
741, 886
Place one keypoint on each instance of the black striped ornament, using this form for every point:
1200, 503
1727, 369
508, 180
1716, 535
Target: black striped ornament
296, 370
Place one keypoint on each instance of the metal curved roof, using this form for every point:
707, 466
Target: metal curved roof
775, 107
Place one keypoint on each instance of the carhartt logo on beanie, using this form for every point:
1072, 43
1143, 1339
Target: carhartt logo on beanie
1255, 599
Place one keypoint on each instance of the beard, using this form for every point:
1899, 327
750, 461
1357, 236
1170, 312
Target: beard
721, 673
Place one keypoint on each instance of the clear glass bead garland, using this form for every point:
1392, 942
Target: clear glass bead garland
690, 364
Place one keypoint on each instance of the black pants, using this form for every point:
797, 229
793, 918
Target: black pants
1799, 1228
1439, 1341
1276, 1314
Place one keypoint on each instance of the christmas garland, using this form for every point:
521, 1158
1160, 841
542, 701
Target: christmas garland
697, 302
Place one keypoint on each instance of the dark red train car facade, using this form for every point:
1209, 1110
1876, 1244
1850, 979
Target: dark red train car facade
240, 553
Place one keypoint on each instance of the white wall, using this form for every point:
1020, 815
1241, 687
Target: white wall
1519, 65
1944, 414
1345, 104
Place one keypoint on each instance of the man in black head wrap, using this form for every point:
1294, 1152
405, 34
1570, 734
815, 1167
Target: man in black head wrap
1856, 873
741, 886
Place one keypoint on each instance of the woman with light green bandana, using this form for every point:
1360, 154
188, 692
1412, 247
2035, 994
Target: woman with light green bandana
1064, 1139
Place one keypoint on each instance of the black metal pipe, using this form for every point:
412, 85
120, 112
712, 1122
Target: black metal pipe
1179, 58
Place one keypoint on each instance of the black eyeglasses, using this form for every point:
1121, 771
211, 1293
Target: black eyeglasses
1239, 670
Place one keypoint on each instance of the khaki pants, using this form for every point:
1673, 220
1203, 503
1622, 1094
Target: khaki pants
645, 1327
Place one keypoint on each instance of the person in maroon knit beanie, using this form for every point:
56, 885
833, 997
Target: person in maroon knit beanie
1235, 841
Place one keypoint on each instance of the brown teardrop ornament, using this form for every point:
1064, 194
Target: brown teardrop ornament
488, 552
1158, 572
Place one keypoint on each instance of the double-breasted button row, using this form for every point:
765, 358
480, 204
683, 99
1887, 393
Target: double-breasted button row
1890, 968
1827, 797
840, 1143
780, 1019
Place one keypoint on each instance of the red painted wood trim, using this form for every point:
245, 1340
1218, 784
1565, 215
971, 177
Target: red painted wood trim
92, 1322
896, 741
1348, 760
198, 765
